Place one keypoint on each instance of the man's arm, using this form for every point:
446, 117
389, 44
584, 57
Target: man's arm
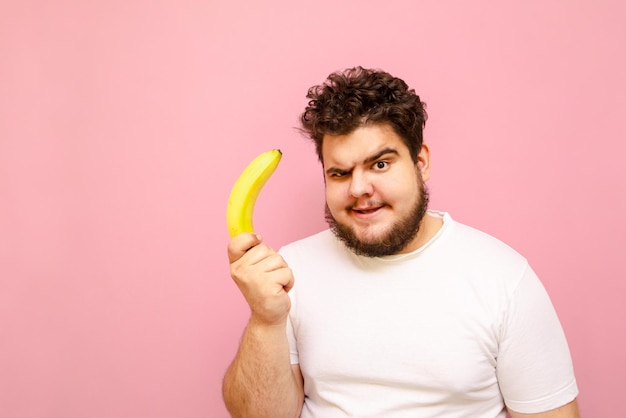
569, 410
261, 382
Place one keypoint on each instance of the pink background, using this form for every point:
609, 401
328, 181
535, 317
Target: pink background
123, 125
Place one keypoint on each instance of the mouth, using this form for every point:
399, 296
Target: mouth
366, 211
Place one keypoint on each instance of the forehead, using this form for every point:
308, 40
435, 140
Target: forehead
360, 144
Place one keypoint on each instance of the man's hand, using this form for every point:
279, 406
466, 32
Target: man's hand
263, 278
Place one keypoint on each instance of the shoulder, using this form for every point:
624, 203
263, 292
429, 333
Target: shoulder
476, 243
478, 257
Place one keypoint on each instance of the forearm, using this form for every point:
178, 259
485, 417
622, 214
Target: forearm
260, 382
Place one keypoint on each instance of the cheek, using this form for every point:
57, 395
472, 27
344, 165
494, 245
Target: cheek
335, 196
402, 193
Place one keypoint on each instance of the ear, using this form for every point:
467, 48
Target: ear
423, 162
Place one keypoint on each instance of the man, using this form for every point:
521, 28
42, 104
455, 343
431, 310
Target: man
395, 310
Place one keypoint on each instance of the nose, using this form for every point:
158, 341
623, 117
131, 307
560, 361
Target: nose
360, 185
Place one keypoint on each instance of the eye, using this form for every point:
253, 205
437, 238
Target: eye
381, 165
337, 174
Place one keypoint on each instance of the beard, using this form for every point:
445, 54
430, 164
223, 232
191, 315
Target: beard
394, 240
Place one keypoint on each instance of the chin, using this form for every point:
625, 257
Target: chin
371, 237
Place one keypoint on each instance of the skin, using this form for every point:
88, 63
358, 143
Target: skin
371, 183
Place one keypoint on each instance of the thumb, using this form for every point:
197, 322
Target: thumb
241, 243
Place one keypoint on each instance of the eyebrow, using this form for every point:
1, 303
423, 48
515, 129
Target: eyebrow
379, 154
369, 159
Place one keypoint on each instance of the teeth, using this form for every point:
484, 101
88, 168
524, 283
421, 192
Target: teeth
246, 189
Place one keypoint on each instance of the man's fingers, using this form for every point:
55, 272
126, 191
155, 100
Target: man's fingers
267, 261
262, 262
240, 244
277, 269
285, 278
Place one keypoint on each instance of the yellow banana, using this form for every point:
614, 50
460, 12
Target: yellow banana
246, 189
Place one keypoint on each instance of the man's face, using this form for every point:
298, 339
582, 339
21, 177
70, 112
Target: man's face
375, 193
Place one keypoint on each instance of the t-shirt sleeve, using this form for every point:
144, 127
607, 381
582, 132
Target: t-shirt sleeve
534, 365
291, 338
291, 333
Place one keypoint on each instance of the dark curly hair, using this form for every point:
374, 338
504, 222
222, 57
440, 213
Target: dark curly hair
358, 96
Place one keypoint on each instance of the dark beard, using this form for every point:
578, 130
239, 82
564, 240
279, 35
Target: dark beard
401, 234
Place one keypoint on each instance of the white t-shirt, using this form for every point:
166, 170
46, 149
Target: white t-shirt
456, 329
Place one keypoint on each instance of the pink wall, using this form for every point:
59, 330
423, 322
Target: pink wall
123, 125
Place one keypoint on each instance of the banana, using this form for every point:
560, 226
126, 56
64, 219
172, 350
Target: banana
246, 189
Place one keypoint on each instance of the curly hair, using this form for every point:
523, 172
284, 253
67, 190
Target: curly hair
357, 97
